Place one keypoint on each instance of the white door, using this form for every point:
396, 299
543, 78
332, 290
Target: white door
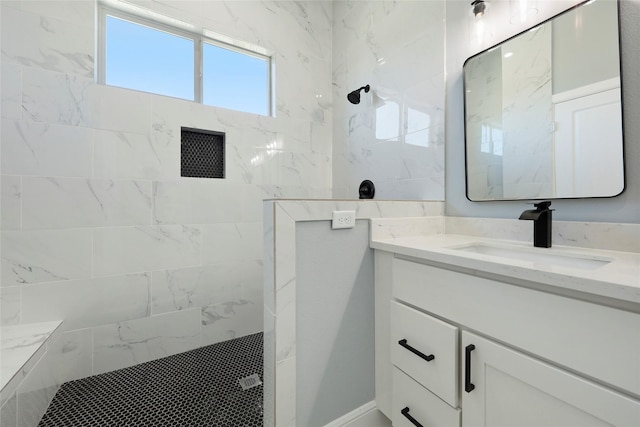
506, 388
588, 146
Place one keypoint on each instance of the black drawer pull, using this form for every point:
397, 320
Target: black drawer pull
428, 358
405, 412
468, 387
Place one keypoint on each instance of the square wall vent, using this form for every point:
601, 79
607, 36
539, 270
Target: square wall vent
202, 153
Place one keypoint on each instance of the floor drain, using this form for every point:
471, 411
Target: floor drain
249, 382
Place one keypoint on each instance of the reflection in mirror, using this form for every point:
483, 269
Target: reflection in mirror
404, 122
543, 113
418, 123
387, 121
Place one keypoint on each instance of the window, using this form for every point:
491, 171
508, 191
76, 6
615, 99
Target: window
234, 80
147, 59
152, 53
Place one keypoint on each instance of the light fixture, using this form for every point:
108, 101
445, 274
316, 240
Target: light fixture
479, 6
354, 97
478, 25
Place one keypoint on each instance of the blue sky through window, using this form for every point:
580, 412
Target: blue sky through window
143, 58
147, 59
234, 80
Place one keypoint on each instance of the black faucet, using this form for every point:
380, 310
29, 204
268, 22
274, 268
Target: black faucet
541, 217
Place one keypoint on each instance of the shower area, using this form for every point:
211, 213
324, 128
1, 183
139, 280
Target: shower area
130, 283
124, 279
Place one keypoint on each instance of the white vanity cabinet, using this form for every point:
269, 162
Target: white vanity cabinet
504, 354
508, 388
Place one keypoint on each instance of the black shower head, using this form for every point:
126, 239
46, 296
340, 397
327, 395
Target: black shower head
354, 97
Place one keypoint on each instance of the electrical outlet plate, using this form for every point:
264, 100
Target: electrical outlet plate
343, 219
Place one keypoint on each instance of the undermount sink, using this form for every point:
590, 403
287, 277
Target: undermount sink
535, 255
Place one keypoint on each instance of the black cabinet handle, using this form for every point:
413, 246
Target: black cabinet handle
468, 387
405, 412
404, 344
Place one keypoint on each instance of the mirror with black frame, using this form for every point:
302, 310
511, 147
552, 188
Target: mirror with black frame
543, 110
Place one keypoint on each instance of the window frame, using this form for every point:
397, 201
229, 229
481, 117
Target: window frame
200, 36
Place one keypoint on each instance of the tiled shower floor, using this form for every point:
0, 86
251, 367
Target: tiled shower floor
196, 388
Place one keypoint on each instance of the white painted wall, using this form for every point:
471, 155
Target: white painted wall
334, 321
574, 50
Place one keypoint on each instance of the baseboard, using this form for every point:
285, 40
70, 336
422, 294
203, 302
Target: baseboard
353, 415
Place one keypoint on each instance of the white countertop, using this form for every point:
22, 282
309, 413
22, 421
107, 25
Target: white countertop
618, 279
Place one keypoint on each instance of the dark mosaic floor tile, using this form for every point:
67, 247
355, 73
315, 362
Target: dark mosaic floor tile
192, 389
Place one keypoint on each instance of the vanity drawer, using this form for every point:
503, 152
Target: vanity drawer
423, 406
416, 338
587, 338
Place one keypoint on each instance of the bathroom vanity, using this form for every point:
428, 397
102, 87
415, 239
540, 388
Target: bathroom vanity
480, 332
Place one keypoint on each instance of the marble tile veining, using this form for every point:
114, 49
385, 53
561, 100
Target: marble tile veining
121, 250
10, 301
126, 155
131, 342
88, 302
231, 319
200, 286
19, 343
11, 91
33, 148
56, 98
10, 201
45, 256
69, 202
48, 43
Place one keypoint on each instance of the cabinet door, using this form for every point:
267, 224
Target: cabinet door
502, 387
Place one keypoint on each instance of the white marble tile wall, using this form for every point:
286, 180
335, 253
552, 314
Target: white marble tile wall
98, 228
130, 342
89, 302
11, 86
395, 136
29, 42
